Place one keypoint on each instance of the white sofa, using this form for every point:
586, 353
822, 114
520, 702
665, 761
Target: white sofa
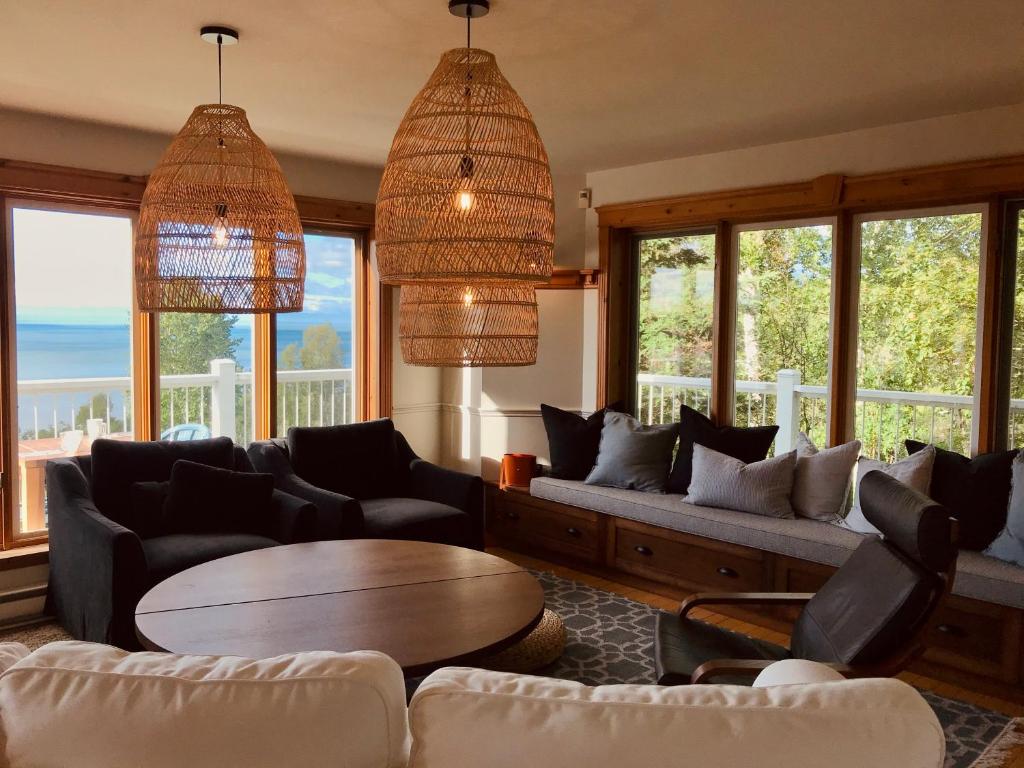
83, 705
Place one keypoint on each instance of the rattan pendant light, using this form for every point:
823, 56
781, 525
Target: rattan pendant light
218, 228
446, 324
466, 195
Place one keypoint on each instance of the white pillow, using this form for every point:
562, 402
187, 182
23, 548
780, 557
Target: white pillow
761, 487
822, 479
915, 471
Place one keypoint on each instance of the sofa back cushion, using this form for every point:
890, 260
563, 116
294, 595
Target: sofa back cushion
760, 488
202, 499
573, 440
633, 455
93, 706
359, 460
465, 717
117, 464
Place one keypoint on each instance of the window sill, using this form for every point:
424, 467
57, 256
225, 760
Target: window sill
24, 557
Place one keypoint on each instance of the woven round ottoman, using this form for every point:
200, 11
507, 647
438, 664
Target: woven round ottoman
538, 649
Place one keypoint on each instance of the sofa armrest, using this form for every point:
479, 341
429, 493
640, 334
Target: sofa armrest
456, 489
337, 516
292, 520
98, 569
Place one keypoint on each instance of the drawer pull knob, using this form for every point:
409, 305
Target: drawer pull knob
512, 515
574, 532
726, 571
645, 551
952, 630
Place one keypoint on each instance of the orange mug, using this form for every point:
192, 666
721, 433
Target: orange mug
517, 469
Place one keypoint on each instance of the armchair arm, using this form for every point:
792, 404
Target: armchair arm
337, 516
456, 489
98, 569
292, 520
743, 598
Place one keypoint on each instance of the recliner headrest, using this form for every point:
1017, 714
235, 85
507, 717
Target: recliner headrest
917, 526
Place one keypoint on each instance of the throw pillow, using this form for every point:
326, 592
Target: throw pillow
573, 440
822, 479
147, 516
744, 443
117, 464
202, 499
761, 487
915, 471
632, 455
1009, 545
975, 491
359, 460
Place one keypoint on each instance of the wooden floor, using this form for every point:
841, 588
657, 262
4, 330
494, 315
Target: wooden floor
665, 603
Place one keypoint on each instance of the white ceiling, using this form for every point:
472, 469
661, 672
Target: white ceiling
610, 82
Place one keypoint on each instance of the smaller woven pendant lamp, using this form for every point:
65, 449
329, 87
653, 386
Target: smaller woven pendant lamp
466, 195
468, 326
218, 227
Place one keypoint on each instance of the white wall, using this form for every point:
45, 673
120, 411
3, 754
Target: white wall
39, 138
415, 397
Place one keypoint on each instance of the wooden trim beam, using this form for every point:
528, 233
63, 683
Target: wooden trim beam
991, 318
843, 338
723, 336
570, 279
946, 184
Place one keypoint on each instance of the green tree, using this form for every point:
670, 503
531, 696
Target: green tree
189, 341
321, 349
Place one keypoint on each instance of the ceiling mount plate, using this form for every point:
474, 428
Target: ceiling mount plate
469, 9
222, 35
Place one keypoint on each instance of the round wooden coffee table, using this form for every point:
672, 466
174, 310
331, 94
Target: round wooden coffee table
424, 605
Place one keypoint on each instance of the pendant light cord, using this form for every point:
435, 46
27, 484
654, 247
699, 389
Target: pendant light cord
220, 70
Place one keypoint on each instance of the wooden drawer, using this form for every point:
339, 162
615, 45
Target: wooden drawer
976, 637
687, 561
529, 523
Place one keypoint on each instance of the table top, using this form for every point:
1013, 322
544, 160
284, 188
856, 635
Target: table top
425, 605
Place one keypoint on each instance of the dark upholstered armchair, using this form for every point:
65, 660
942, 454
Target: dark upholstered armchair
105, 553
868, 620
367, 483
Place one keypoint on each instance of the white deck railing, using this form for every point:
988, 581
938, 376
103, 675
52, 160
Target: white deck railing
884, 419
220, 400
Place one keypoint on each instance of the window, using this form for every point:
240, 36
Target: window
783, 309
676, 284
72, 335
917, 328
1015, 240
315, 347
206, 381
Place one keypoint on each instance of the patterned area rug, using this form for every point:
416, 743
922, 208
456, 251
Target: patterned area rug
610, 640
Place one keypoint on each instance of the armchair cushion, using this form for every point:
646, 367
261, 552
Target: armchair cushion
203, 499
147, 508
116, 465
168, 555
416, 519
358, 460
681, 645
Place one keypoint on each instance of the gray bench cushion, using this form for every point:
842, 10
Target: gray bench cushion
978, 576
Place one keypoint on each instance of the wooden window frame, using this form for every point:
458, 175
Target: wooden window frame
98, 191
989, 183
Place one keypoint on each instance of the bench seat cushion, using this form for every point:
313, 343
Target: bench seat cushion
978, 576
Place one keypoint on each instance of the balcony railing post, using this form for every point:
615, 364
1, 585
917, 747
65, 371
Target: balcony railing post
222, 398
787, 409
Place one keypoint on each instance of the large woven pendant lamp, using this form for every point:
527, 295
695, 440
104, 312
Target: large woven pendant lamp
466, 195
218, 227
445, 324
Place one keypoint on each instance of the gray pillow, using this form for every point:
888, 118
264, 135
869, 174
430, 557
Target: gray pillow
1009, 545
632, 455
761, 488
915, 471
822, 479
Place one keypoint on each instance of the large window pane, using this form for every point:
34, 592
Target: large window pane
783, 299
676, 301
1015, 433
206, 376
73, 303
315, 347
917, 328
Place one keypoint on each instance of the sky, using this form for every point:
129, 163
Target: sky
76, 268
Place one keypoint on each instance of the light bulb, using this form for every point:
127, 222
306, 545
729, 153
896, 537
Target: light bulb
467, 297
220, 235
464, 200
